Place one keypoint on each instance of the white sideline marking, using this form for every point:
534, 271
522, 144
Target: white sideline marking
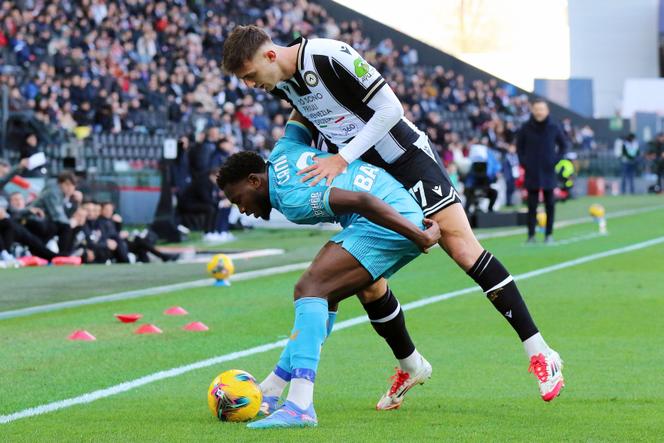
23, 312
174, 372
149, 291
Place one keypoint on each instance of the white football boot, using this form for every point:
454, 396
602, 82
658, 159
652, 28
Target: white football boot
402, 382
548, 368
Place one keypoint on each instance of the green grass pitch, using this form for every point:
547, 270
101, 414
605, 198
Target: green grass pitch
604, 317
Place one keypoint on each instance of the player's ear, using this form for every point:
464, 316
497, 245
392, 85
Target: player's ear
254, 180
270, 55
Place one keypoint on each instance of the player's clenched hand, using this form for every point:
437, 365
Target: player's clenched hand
324, 168
430, 235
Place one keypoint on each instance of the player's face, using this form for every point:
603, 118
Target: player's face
250, 197
262, 71
540, 111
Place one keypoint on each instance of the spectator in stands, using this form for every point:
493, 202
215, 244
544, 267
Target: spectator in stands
510, 169
13, 231
540, 145
587, 138
200, 201
71, 197
7, 173
138, 244
656, 155
199, 157
30, 147
180, 169
484, 170
102, 239
629, 158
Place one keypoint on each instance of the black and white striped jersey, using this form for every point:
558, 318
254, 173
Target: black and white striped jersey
332, 88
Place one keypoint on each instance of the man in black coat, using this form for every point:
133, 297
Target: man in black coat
201, 197
541, 143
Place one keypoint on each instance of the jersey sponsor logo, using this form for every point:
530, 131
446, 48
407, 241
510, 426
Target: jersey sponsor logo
311, 98
347, 129
319, 114
316, 203
437, 189
311, 78
361, 67
322, 121
281, 170
310, 108
304, 160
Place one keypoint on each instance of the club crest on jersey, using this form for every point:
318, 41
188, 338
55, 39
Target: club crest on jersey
311, 78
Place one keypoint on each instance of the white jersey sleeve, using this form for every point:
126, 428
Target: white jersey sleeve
358, 72
387, 113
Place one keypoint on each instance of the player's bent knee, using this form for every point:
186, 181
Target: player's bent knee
464, 252
309, 286
373, 292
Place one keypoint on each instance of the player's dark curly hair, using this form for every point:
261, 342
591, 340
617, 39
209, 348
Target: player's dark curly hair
238, 167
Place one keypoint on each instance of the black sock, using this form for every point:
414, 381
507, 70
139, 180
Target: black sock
388, 320
501, 290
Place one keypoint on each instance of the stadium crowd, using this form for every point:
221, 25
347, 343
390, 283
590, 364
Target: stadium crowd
102, 66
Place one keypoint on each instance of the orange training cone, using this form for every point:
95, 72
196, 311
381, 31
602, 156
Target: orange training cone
176, 310
148, 329
81, 335
195, 326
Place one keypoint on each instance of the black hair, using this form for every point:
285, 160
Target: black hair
238, 167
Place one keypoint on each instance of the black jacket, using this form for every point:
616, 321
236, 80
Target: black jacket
536, 145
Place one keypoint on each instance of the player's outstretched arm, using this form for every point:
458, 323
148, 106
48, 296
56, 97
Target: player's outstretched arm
377, 211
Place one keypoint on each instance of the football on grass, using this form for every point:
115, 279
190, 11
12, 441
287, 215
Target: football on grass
234, 395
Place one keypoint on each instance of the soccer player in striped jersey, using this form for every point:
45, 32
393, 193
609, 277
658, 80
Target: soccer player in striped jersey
358, 116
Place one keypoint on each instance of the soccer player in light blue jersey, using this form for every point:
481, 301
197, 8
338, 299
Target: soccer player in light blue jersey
383, 229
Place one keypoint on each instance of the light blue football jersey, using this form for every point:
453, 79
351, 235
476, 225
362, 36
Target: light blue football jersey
304, 204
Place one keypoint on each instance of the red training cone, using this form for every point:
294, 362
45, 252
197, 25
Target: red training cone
195, 326
64, 261
148, 329
32, 260
81, 335
176, 310
128, 318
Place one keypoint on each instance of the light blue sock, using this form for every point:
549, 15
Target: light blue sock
331, 317
308, 336
283, 368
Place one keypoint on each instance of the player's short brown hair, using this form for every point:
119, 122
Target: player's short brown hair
241, 46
